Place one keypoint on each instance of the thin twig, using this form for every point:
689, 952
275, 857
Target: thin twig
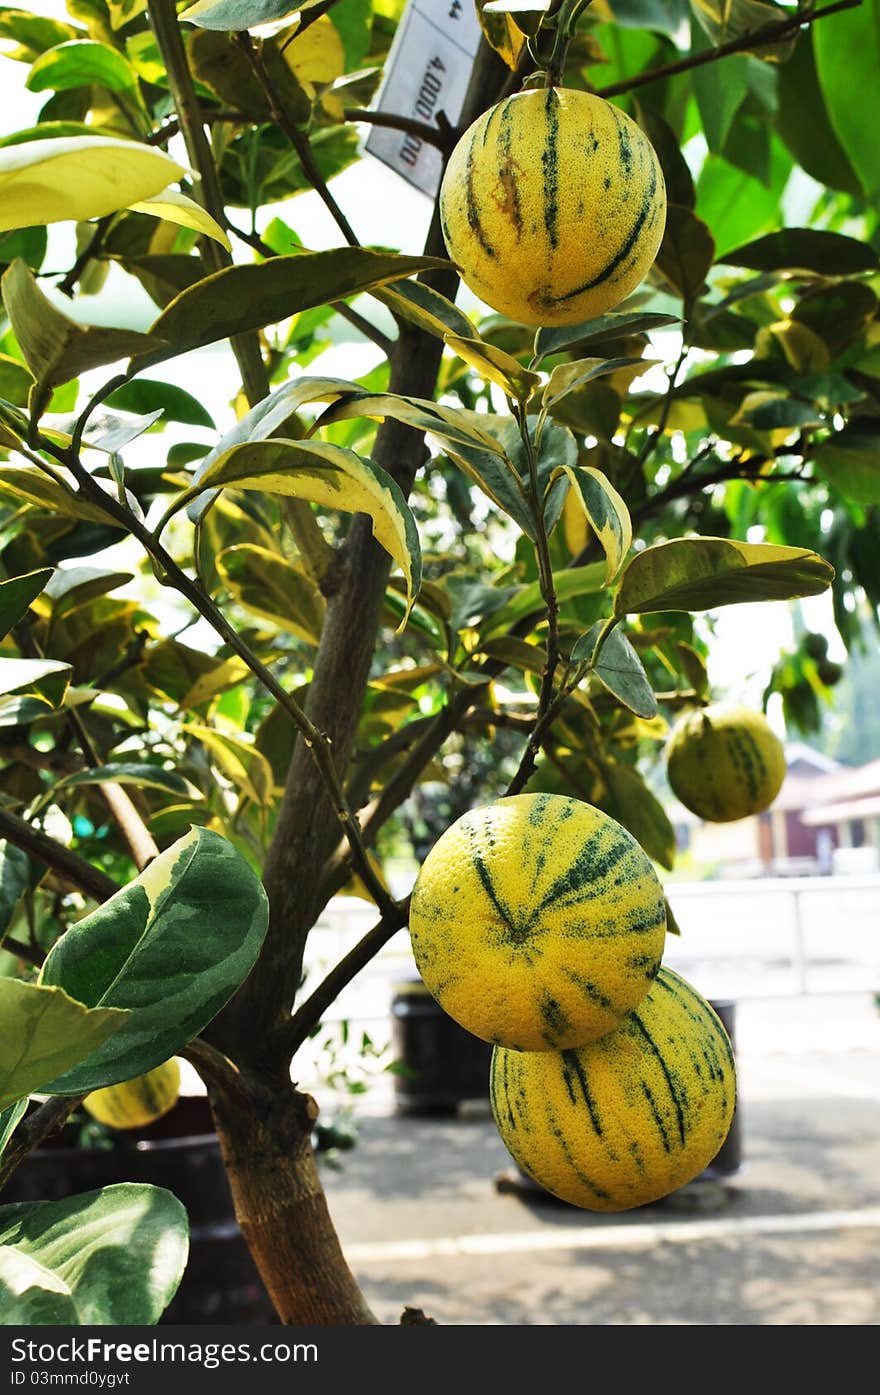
431, 135
360, 322
315, 739
767, 34
34, 1130
298, 139
310, 1012
31, 955
60, 859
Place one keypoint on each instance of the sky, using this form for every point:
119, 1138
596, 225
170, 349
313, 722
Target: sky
384, 210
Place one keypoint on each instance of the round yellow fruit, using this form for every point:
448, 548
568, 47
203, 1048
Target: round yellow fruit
725, 762
134, 1103
553, 206
537, 922
629, 1118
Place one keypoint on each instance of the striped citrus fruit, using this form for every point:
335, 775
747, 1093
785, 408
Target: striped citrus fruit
537, 922
725, 762
553, 206
134, 1103
629, 1118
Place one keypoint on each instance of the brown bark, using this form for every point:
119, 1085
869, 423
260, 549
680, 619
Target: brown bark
265, 1136
282, 1210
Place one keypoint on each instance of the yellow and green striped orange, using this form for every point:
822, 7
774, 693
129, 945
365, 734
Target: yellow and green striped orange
553, 206
537, 922
629, 1118
725, 762
134, 1103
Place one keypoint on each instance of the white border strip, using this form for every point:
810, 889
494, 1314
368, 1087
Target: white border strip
610, 1237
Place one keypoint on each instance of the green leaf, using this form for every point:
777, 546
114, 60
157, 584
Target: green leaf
497, 479
802, 121
605, 511
615, 325
568, 377
686, 252
241, 298
428, 309
774, 411
175, 207
628, 799
15, 876
242, 763
16, 595
31, 486
10, 1118
112, 1257
328, 475
44, 1031
618, 668
78, 177
45, 677
850, 460
33, 33
725, 20
71, 587
146, 395
57, 349
847, 61
144, 776
576, 581
270, 586
80, 63
737, 206
139, 950
704, 573
720, 89
805, 249
495, 366
236, 15
676, 171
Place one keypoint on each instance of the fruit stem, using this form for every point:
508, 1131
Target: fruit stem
562, 17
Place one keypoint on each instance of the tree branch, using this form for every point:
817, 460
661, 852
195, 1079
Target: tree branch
298, 139
767, 34
34, 1130
56, 856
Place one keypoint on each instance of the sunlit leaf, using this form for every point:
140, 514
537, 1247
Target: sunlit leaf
703, 573
606, 512
45, 1031
328, 475
619, 668
112, 1257
272, 587
78, 177
495, 366
175, 207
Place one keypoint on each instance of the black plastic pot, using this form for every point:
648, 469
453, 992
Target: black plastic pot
441, 1065
181, 1152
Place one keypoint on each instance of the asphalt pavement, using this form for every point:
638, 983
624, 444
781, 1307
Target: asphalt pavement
431, 1215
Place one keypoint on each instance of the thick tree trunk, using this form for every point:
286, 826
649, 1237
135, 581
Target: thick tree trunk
282, 1210
265, 1141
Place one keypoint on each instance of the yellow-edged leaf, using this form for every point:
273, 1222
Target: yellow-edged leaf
246, 767
78, 177
496, 366
605, 510
175, 207
327, 475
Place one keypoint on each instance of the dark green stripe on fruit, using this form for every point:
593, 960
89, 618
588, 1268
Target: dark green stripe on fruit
658, 1055
550, 166
573, 1071
646, 216
473, 210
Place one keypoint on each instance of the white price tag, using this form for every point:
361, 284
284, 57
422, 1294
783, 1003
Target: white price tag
428, 70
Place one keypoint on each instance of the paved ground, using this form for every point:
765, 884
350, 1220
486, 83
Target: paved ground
792, 1239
